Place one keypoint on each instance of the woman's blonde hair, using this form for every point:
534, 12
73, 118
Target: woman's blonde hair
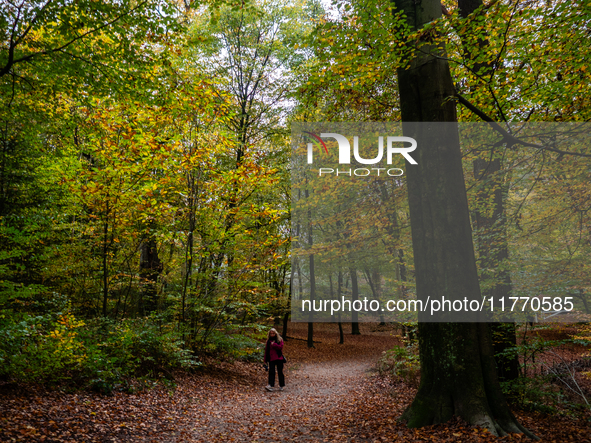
279, 339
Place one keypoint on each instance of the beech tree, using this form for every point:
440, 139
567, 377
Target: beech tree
491, 191
458, 371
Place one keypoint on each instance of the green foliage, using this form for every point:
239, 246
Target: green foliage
135, 347
410, 330
403, 363
236, 346
119, 124
41, 348
544, 393
533, 394
114, 136
60, 348
81, 44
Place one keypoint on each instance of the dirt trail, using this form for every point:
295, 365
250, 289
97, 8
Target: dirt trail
331, 396
224, 402
318, 382
313, 392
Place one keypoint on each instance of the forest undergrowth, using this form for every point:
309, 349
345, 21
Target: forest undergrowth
334, 392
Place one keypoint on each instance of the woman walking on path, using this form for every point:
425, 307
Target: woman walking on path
274, 356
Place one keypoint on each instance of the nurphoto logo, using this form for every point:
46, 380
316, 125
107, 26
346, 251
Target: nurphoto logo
395, 145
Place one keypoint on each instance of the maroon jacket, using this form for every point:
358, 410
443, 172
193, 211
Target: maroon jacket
273, 351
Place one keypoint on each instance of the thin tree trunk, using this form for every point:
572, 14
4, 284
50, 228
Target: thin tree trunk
583, 297
288, 310
339, 294
3, 172
312, 297
150, 269
312, 279
105, 265
285, 322
190, 241
402, 269
376, 287
354, 297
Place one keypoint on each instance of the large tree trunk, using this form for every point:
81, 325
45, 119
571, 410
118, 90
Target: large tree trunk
489, 216
493, 250
458, 377
458, 373
504, 336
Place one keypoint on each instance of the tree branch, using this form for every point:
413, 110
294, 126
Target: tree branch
507, 137
11, 61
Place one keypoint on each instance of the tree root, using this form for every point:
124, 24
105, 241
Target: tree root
497, 427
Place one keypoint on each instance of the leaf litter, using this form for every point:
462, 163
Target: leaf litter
332, 394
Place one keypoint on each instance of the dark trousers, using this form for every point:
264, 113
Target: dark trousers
279, 365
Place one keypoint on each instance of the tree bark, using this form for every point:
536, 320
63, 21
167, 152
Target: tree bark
458, 372
105, 264
288, 310
150, 268
583, 298
312, 298
354, 297
493, 250
374, 279
339, 294
491, 221
312, 279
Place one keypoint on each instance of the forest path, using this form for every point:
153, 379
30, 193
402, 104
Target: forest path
319, 382
313, 392
331, 395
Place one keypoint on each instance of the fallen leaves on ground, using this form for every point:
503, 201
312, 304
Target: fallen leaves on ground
332, 395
